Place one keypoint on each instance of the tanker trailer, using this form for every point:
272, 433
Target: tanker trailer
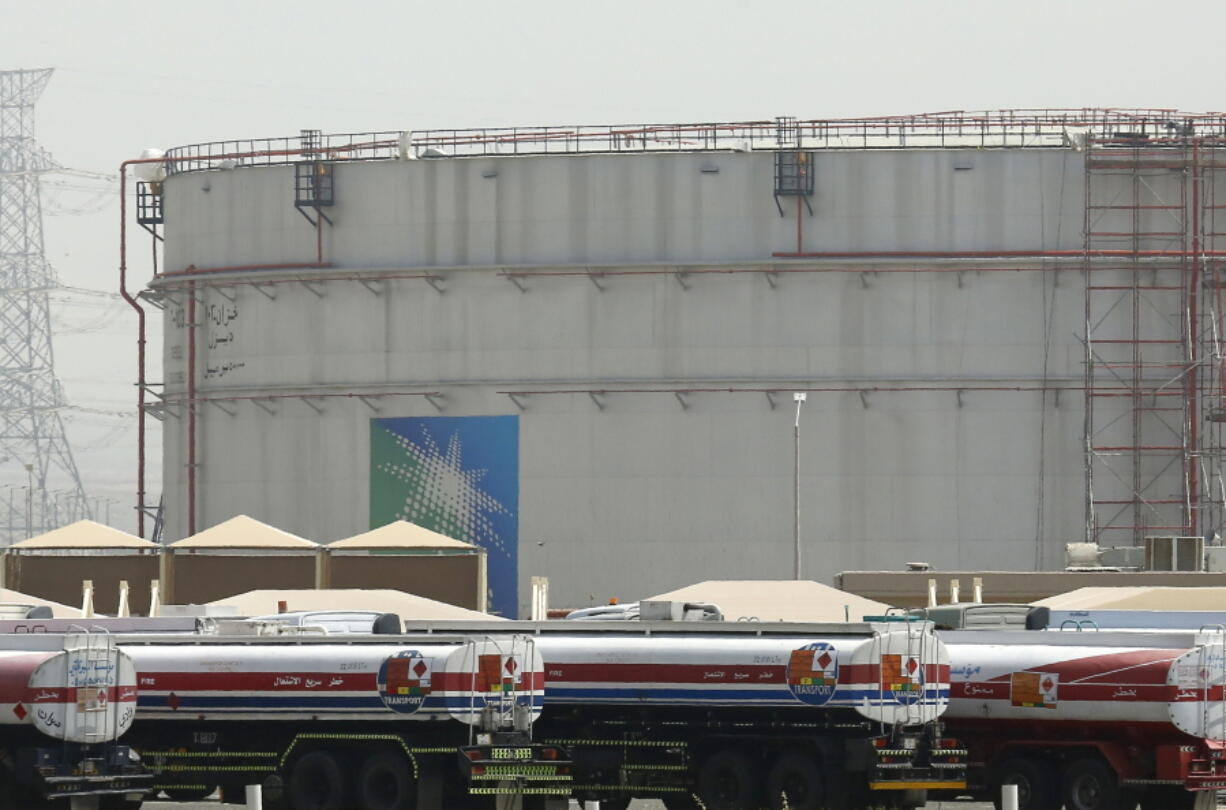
747, 714
374, 722
1091, 720
61, 711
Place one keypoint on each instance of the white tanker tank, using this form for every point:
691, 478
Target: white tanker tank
70, 695
307, 678
899, 676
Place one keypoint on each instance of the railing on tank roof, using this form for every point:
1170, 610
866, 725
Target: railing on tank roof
956, 129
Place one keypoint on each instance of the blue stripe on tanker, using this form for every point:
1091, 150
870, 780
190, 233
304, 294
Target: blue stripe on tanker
848, 698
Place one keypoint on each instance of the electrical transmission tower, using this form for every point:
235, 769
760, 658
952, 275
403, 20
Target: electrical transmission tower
40, 488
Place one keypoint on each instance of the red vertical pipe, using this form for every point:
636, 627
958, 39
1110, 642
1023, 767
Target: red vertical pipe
140, 345
191, 408
800, 234
1192, 379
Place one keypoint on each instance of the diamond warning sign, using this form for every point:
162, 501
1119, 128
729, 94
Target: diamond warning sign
1034, 690
902, 677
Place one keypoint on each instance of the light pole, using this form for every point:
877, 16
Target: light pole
799, 398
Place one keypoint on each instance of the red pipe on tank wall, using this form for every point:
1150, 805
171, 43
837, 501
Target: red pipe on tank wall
1191, 380
191, 408
140, 341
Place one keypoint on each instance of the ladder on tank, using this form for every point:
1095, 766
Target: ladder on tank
92, 662
916, 648
508, 710
1211, 681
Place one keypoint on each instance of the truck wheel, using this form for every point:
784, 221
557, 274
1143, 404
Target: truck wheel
680, 801
317, 783
795, 782
386, 783
728, 782
1035, 789
1091, 784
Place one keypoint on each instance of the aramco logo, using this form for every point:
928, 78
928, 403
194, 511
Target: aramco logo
404, 681
813, 673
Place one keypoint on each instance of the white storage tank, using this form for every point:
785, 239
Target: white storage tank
576, 348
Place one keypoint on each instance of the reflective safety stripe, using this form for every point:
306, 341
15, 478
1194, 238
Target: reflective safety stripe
633, 743
207, 754
518, 791
523, 770
917, 785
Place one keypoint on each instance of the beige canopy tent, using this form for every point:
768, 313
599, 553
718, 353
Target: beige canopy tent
53, 565
778, 600
11, 597
405, 605
1138, 598
409, 558
233, 557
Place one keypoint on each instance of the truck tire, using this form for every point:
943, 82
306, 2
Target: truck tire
1036, 790
386, 783
1091, 784
727, 781
798, 777
680, 801
317, 783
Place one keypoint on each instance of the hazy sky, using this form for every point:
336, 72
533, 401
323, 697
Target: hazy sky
131, 75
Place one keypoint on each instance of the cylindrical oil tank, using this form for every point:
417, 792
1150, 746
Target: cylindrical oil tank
582, 358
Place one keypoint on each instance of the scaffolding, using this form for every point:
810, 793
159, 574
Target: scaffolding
1154, 391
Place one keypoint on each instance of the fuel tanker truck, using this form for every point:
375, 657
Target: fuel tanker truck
1091, 720
736, 716
324, 723
61, 711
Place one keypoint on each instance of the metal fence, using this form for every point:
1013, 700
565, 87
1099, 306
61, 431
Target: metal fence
995, 129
